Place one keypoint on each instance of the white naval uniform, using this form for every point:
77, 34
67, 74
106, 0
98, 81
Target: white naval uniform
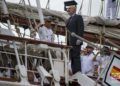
50, 36
42, 33
87, 64
111, 9
45, 34
103, 61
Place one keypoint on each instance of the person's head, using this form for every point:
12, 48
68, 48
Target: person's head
105, 51
71, 10
85, 51
89, 49
70, 7
47, 22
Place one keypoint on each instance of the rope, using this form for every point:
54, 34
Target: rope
89, 7
47, 5
33, 29
101, 8
118, 8
79, 12
26, 10
31, 12
102, 32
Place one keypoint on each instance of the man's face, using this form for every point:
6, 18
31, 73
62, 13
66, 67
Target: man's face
71, 10
85, 51
48, 24
89, 50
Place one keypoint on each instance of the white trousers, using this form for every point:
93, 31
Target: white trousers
111, 9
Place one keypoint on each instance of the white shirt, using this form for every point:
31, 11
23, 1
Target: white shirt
50, 35
45, 34
87, 64
103, 60
42, 33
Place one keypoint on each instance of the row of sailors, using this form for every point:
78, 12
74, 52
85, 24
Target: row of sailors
91, 63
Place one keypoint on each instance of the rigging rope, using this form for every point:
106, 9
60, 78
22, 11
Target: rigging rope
48, 4
31, 12
79, 12
118, 8
101, 8
28, 18
89, 8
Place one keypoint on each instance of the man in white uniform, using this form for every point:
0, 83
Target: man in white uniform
104, 58
111, 9
50, 35
87, 63
45, 32
42, 33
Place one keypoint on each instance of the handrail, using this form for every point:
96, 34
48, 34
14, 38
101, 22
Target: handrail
31, 41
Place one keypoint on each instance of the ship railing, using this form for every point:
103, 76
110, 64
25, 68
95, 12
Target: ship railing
63, 60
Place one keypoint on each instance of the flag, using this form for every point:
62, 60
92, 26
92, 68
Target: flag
115, 73
112, 72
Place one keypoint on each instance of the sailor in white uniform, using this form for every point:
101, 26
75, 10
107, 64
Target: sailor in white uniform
45, 32
50, 35
87, 63
103, 61
111, 9
104, 58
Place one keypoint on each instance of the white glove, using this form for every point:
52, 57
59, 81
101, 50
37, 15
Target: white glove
78, 42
